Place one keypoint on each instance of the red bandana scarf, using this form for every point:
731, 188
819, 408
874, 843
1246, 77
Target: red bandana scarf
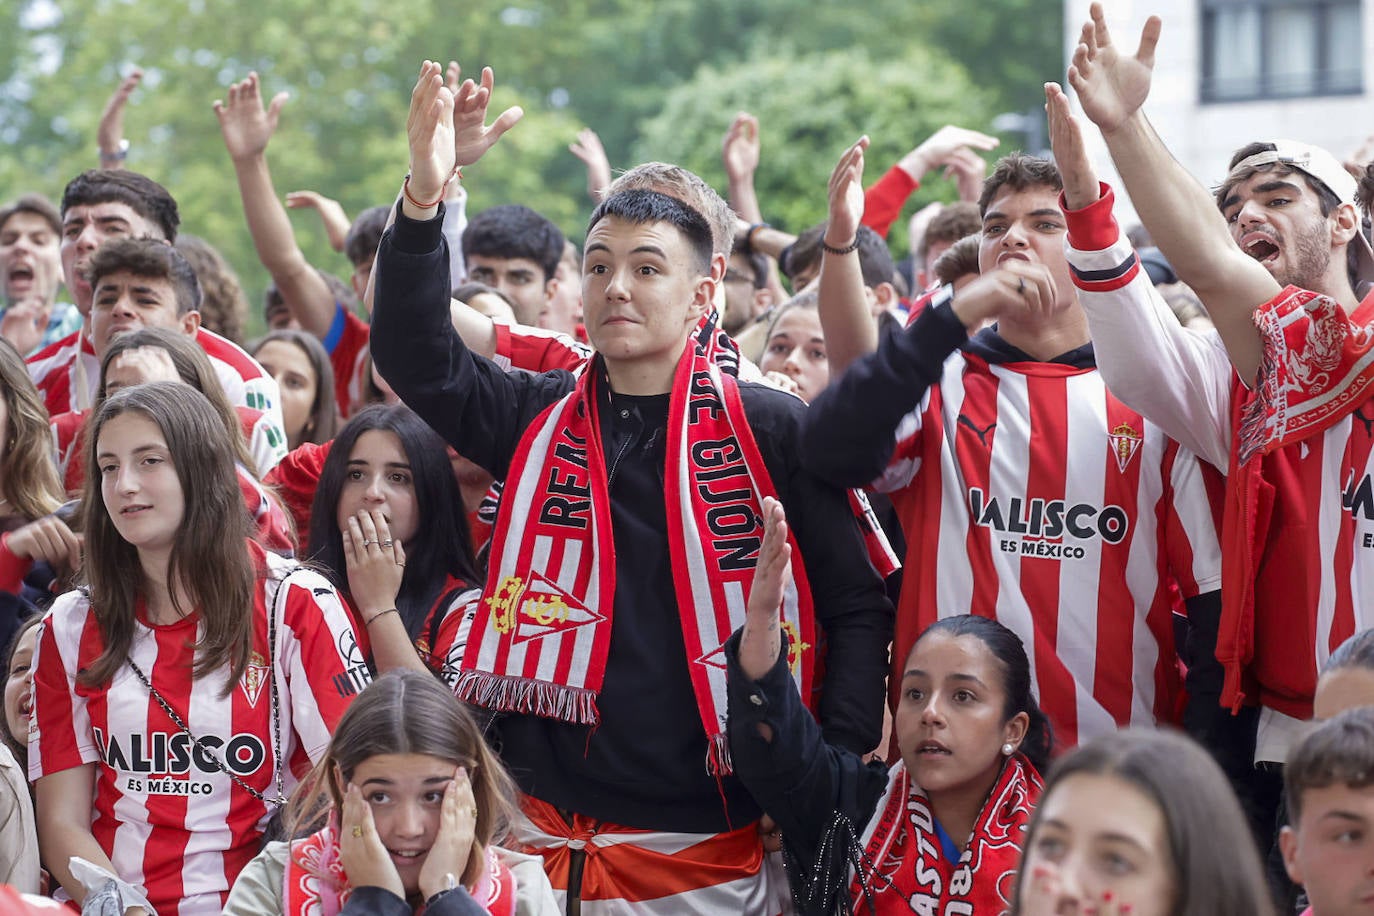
1317, 367
543, 628
317, 885
909, 872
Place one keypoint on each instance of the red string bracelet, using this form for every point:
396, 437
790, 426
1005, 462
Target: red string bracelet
405, 189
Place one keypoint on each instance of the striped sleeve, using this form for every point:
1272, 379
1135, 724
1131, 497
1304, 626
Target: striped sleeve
321, 661
60, 734
1178, 379
452, 639
1191, 523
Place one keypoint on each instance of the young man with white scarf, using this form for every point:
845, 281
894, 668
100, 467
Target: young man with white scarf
626, 543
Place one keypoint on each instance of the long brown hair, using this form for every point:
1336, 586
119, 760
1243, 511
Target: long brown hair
408, 712
28, 476
1216, 871
209, 559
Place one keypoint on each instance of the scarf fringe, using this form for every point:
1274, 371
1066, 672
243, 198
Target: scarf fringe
530, 697
718, 762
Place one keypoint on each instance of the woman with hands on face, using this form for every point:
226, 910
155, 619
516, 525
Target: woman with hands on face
388, 522
939, 830
401, 816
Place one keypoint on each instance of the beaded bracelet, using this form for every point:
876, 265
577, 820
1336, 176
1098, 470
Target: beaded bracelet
848, 249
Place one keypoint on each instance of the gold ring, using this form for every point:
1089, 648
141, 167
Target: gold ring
357, 830
473, 809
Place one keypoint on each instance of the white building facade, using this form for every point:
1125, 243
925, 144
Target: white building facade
1231, 71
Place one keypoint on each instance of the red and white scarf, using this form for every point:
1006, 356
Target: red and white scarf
316, 884
1317, 367
543, 629
910, 873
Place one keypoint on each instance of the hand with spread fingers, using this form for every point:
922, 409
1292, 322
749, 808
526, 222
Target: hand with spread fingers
472, 135
1112, 86
361, 852
456, 850
846, 196
1070, 154
375, 561
243, 121
588, 148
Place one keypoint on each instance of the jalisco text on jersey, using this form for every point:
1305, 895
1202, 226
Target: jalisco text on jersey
1040, 518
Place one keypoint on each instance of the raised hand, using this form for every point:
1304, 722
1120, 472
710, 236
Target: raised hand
740, 150
1066, 139
762, 639
846, 196
967, 169
588, 148
331, 213
1111, 86
243, 122
938, 147
429, 130
361, 852
472, 135
110, 131
455, 851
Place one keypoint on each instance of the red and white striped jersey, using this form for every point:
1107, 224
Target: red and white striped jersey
68, 372
1314, 534
168, 819
1029, 494
348, 356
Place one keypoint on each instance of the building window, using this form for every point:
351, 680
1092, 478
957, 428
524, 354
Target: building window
1274, 49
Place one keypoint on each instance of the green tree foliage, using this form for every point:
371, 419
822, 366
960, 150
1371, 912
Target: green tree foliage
810, 109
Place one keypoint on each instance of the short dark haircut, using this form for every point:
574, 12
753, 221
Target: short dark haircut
951, 224
146, 197
640, 206
958, 260
1338, 751
514, 231
875, 261
365, 234
1019, 172
147, 258
1326, 198
36, 204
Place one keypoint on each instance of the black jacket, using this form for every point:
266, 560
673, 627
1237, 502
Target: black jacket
644, 764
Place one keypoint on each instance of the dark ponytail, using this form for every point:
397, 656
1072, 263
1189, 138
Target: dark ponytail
1006, 646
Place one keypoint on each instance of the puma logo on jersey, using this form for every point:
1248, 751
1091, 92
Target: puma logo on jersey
982, 434
1367, 421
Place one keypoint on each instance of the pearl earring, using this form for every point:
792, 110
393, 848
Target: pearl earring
1007, 749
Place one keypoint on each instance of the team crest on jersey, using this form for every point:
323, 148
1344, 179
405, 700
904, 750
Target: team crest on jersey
254, 676
1125, 442
536, 608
